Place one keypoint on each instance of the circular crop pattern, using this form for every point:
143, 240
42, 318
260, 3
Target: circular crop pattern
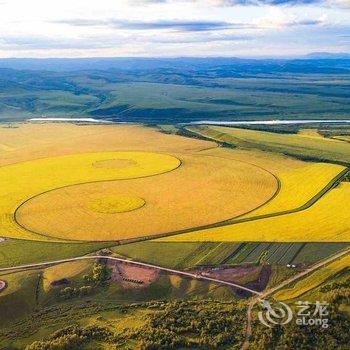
22, 182
204, 190
116, 204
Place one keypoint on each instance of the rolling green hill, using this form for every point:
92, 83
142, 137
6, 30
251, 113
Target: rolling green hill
171, 91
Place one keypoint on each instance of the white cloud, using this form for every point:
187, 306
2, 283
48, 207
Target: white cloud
278, 18
339, 3
173, 27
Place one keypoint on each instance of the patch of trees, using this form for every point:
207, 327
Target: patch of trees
293, 336
63, 313
195, 324
337, 293
210, 325
72, 337
99, 276
72, 292
335, 285
347, 177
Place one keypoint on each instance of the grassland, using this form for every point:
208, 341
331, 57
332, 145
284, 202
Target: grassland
164, 254
20, 252
31, 290
317, 251
314, 280
330, 213
177, 255
179, 90
302, 146
192, 254
19, 298
65, 270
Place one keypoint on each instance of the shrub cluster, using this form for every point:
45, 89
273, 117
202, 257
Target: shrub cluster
99, 277
72, 337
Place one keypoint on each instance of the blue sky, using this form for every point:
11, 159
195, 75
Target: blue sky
248, 28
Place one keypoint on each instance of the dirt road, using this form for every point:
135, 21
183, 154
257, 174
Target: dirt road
93, 257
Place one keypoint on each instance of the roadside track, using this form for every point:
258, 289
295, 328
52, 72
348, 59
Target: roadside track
136, 263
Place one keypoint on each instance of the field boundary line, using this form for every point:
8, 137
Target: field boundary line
212, 250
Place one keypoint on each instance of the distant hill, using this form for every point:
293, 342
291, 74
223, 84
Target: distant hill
328, 55
170, 90
242, 65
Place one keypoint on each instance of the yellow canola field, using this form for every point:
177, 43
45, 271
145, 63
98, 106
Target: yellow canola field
21, 181
202, 191
32, 141
328, 220
298, 186
116, 204
299, 181
314, 280
345, 138
312, 133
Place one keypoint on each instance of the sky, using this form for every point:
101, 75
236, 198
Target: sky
173, 28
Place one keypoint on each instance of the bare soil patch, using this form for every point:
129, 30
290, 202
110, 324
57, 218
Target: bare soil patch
132, 277
252, 276
233, 274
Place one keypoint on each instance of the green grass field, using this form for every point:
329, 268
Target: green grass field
177, 94
301, 146
18, 252
162, 254
314, 280
19, 298
327, 220
186, 255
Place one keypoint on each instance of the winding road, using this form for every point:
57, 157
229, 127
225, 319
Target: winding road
93, 257
258, 296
